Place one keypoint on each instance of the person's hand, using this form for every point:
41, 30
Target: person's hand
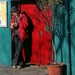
15, 24
12, 25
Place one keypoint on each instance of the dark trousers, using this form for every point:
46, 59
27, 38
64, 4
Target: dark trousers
18, 59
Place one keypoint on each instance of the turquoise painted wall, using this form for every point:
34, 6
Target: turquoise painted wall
72, 26
65, 45
5, 40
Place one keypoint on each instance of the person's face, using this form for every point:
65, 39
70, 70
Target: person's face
14, 13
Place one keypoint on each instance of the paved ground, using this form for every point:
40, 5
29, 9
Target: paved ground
28, 70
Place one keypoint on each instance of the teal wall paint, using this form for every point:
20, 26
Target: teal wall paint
72, 23
65, 45
5, 40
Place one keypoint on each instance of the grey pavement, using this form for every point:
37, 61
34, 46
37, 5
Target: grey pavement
27, 70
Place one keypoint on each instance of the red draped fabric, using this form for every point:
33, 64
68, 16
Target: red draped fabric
41, 40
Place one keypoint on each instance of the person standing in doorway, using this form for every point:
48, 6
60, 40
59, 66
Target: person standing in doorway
18, 26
